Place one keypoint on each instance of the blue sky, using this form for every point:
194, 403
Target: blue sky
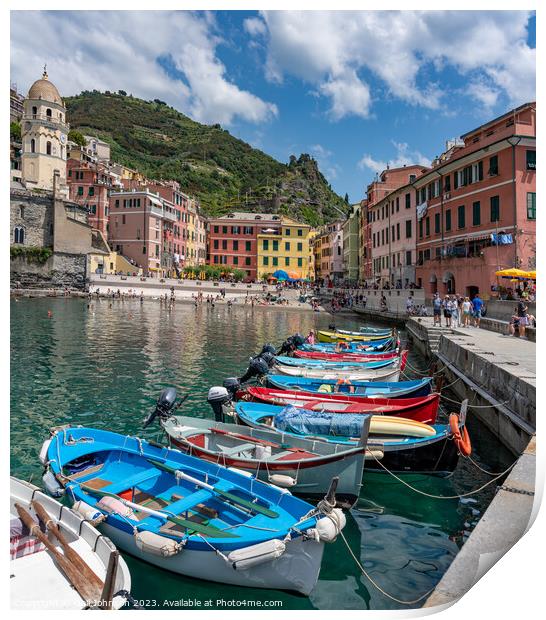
354, 89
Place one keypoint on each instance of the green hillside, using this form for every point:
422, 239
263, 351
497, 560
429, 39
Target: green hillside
223, 171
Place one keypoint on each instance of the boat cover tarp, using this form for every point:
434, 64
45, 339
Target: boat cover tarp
306, 422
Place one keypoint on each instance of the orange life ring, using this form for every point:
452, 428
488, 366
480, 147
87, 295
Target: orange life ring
461, 441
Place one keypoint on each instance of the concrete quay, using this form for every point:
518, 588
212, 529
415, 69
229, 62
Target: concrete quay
497, 373
506, 520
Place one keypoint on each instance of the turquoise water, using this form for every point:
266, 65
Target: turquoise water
103, 364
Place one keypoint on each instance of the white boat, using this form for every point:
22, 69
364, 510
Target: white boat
389, 374
37, 581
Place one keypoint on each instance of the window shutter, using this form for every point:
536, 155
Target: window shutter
480, 171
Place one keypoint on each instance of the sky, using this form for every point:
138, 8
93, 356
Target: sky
355, 89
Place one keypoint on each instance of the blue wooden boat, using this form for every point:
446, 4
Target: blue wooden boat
385, 344
328, 365
436, 453
372, 389
191, 516
372, 331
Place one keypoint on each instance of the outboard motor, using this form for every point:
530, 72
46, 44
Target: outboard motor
268, 348
298, 340
217, 398
163, 407
232, 385
269, 358
257, 367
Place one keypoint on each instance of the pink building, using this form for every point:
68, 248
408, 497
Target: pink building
388, 181
393, 221
139, 220
477, 207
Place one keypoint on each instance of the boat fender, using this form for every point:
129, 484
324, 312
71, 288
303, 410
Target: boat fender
462, 441
154, 544
52, 485
375, 454
115, 506
282, 481
329, 526
93, 515
44, 451
242, 559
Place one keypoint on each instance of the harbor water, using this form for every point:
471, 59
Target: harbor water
103, 364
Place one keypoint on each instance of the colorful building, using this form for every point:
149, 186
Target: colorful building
351, 245
196, 234
89, 185
477, 207
388, 181
285, 245
233, 240
328, 249
393, 238
139, 220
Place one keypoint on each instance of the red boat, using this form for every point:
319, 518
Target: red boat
422, 409
346, 357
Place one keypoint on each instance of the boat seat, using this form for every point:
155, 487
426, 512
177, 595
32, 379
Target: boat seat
281, 455
236, 449
186, 431
188, 502
129, 483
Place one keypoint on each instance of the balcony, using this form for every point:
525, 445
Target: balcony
163, 213
48, 121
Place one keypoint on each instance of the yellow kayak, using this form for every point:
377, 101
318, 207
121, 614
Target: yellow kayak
391, 425
324, 336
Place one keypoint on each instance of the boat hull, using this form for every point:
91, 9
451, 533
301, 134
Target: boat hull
297, 569
312, 482
345, 357
419, 409
362, 389
326, 336
389, 375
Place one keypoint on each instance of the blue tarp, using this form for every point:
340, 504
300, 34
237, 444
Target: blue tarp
281, 275
501, 239
305, 422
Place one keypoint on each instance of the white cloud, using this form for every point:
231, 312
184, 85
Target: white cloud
409, 51
404, 157
254, 26
114, 50
483, 93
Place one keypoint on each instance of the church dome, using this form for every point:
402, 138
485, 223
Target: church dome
45, 90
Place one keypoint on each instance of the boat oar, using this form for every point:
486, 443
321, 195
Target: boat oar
234, 499
69, 552
206, 530
87, 590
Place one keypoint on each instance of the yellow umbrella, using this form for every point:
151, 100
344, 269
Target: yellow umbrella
532, 275
511, 273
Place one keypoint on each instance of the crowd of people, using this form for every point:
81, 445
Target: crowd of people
458, 311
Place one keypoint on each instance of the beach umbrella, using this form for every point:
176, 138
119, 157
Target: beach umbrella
532, 275
280, 274
511, 273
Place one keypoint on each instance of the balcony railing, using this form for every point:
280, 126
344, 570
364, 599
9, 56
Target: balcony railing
54, 122
163, 213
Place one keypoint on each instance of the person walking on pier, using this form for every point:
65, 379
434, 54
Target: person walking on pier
522, 316
447, 310
437, 310
466, 306
477, 305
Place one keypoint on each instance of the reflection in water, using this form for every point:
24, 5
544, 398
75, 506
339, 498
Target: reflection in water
103, 364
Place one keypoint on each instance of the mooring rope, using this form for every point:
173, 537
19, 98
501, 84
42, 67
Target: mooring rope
477, 406
376, 585
460, 496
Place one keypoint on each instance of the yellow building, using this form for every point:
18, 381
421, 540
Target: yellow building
196, 231
285, 245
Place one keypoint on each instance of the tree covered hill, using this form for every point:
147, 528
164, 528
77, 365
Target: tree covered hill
224, 172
